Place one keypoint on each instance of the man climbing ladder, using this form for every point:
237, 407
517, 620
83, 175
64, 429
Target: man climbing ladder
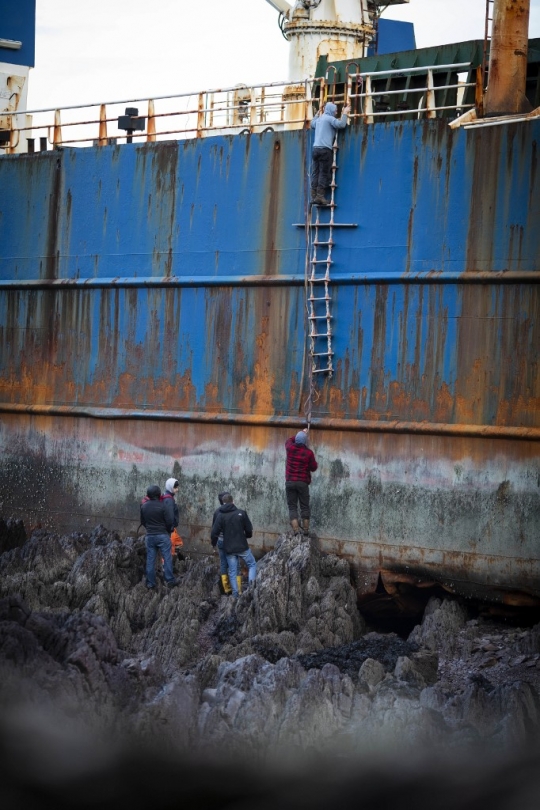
299, 465
325, 126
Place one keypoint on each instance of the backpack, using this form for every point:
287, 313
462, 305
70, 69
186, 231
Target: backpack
161, 497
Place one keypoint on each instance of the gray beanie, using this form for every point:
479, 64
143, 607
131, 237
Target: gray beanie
301, 437
170, 484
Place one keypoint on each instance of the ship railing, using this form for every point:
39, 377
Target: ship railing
372, 96
233, 110
230, 110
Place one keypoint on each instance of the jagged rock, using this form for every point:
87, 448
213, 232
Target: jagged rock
420, 669
169, 719
371, 672
258, 705
529, 643
506, 713
12, 534
34, 570
440, 626
391, 714
298, 592
69, 662
405, 670
287, 667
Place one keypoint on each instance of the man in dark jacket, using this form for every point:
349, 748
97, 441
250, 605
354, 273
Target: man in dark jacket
299, 466
159, 523
236, 528
223, 566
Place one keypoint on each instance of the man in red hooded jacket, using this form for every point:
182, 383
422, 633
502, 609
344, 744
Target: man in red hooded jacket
299, 466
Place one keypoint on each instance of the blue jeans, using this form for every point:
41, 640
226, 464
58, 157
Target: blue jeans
223, 567
161, 543
232, 562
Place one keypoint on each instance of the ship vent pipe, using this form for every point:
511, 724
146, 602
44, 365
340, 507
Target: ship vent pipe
505, 94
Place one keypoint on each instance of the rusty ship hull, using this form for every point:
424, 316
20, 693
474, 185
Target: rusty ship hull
153, 322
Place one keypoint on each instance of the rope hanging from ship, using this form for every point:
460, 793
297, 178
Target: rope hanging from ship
312, 395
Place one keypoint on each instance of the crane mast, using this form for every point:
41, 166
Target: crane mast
337, 29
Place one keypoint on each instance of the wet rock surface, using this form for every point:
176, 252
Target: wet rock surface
290, 666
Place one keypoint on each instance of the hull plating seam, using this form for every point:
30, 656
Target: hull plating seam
510, 276
366, 426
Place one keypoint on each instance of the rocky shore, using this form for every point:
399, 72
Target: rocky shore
288, 672
290, 667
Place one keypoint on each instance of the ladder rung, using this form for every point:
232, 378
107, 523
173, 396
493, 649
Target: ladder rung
320, 334
322, 354
322, 261
326, 225
325, 298
322, 370
318, 244
322, 279
319, 317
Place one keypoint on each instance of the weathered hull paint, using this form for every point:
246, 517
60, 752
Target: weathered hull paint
152, 322
461, 511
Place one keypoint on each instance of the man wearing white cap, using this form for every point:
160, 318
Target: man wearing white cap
171, 507
299, 466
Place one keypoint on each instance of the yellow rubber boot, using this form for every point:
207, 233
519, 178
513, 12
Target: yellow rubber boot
239, 583
226, 584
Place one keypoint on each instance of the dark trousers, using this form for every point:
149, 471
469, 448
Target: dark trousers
297, 491
321, 169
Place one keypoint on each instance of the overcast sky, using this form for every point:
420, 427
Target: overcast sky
118, 49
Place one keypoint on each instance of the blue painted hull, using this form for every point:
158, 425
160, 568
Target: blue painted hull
152, 311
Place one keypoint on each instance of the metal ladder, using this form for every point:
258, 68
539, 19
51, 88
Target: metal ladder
321, 224
320, 299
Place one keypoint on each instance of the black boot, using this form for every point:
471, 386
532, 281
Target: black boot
320, 199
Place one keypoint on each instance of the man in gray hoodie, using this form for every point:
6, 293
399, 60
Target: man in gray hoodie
325, 126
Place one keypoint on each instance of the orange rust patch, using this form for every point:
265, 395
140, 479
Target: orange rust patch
370, 414
443, 404
257, 390
211, 395
337, 402
353, 398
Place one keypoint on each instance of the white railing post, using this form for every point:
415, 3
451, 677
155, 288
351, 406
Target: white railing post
252, 109
14, 135
151, 129
57, 132
308, 105
430, 96
368, 115
102, 139
262, 111
200, 115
